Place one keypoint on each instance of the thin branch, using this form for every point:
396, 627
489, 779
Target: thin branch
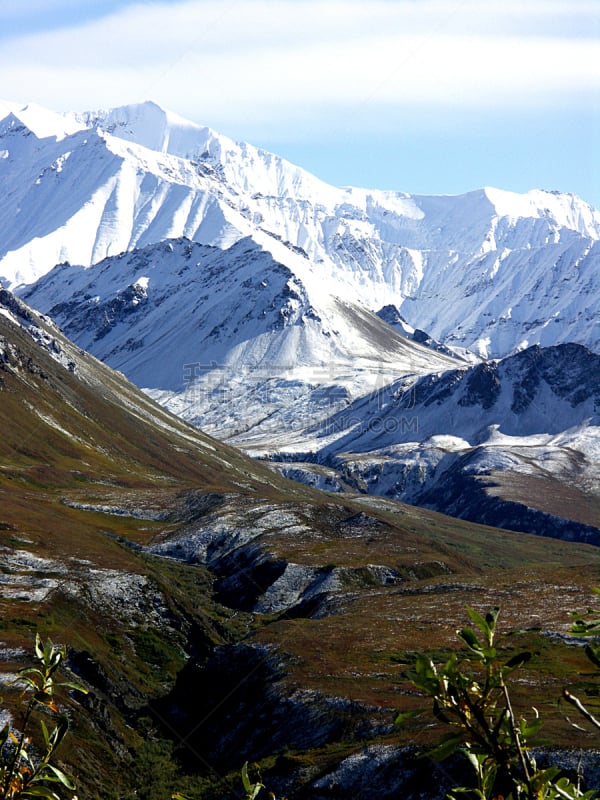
575, 701
525, 763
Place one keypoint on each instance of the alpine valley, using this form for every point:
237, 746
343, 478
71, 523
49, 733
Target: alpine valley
437, 350
186, 324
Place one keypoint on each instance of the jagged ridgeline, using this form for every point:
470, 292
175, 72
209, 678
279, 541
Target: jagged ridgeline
341, 329
218, 613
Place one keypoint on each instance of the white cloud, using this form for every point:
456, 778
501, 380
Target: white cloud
262, 63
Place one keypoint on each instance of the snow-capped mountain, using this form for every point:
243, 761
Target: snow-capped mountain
271, 309
489, 270
332, 384
231, 340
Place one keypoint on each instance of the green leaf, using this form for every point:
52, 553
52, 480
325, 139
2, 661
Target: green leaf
593, 653
252, 789
478, 619
245, 778
492, 617
487, 624
59, 775
30, 671
469, 638
489, 653
550, 774
26, 685
58, 733
45, 733
39, 791
425, 676
405, 716
78, 687
26, 758
447, 746
529, 729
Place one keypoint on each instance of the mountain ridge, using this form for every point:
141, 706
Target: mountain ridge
449, 263
258, 320
478, 434
171, 317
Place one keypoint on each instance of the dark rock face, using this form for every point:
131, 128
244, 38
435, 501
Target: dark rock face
245, 577
15, 306
242, 713
394, 318
571, 370
391, 315
436, 388
101, 317
537, 391
482, 386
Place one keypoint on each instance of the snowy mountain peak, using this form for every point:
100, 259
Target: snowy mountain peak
241, 292
558, 208
489, 270
149, 125
39, 120
244, 167
11, 124
151, 312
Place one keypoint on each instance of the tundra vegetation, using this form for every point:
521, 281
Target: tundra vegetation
28, 764
283, 641
470, 694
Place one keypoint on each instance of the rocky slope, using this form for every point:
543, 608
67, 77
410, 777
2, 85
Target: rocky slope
256, 323
514, 443
218, 612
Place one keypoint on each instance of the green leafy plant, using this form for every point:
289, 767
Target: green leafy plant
470, 694
253, 788
588, 628
25, 772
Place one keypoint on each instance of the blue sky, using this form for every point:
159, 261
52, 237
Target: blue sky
424, 96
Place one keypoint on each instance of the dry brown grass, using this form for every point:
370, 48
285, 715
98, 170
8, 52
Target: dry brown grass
103, 449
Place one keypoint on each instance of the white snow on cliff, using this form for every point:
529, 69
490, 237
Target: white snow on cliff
490, 270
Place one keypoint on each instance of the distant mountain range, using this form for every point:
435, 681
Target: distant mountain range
271, 309
497, 442
490, 270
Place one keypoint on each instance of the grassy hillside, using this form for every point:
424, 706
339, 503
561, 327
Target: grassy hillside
212, 605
